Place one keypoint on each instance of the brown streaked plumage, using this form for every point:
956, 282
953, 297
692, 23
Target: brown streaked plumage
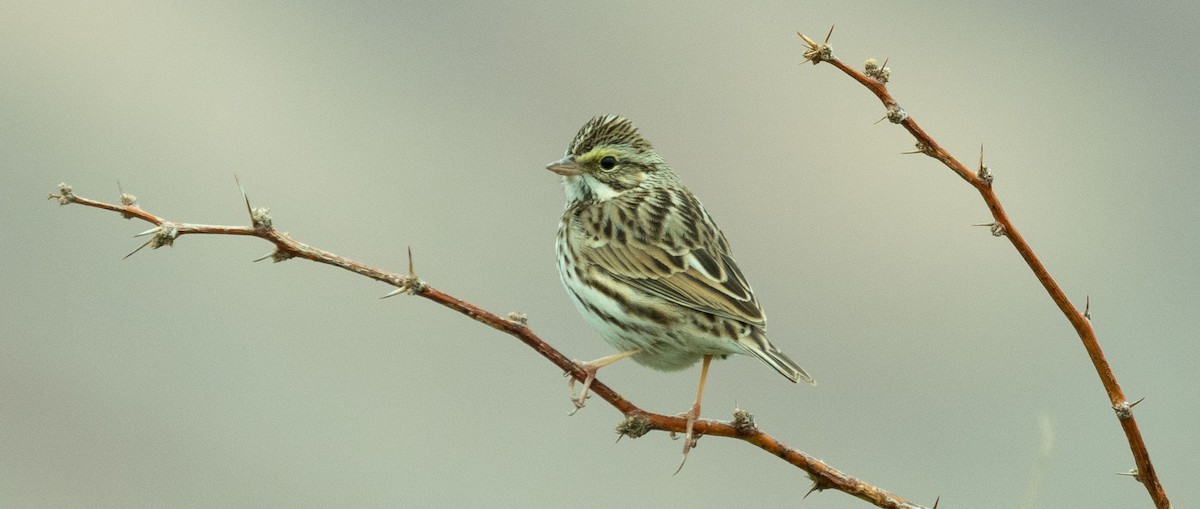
646, 265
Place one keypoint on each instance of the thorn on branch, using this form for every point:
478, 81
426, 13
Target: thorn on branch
409, 283
984, 173
65, 196
816, 53
1087, 308
998, 229
922, 148
260, 218
634, 426
1137, 476
161, 235
818, 485
276, 256
880, 73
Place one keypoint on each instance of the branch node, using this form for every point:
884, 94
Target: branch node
743, 422
409, 283
65, 196
634, 426
128, 201
166, 235
985, 175
1124, 410
817, 53
260, 217
880, 73
896, 114
163, 235
518, 318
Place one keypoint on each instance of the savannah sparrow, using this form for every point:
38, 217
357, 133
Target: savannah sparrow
646, 265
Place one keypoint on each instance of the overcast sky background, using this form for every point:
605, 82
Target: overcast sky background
190, 377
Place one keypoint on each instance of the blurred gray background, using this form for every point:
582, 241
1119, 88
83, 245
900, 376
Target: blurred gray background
190, 377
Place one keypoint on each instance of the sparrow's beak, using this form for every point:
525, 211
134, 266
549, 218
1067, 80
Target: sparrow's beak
566, 167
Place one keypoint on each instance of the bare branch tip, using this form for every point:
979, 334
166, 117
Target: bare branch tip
65, 196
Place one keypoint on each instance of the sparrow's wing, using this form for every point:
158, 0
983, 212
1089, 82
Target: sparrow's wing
665, 244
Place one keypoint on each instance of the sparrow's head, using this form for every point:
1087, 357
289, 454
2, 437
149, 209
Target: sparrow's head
607, 158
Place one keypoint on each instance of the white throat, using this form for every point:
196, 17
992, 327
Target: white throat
585, 187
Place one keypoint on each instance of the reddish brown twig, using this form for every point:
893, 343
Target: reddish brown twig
637, 421
875, 79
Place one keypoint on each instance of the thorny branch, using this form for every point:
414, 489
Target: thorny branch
875, 78
637, 421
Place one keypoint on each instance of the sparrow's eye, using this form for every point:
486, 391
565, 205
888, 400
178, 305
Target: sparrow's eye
608, 162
